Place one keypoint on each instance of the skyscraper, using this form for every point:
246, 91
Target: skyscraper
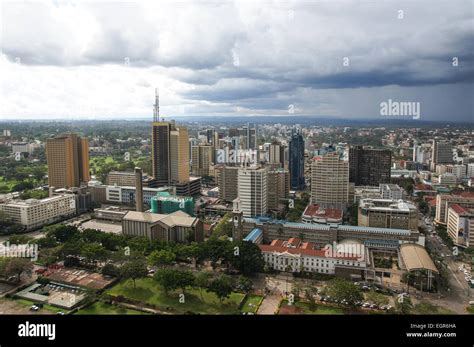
296, 162
330, 181
442, 153
369, 167
252, 191
68, 161
170, 150
228, 183
276, 154
201, 159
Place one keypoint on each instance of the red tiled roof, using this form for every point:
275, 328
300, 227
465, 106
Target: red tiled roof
467, 194
458, 209
313, 210
311, 252
305, 248
422, 186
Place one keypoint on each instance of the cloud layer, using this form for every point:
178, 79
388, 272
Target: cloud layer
341, 58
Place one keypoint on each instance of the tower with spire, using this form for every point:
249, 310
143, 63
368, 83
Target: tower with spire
156, 106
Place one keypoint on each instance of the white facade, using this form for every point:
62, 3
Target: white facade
391, 191
252, 191
293, 261
34, 213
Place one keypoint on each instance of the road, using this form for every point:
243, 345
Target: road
460, 293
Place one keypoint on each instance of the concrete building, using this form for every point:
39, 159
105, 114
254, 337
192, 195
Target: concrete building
460, 225
444, 201
316, 214
33, 213
176, 227
21, 147
170, 152
276, 154
68, 161
330, 181
278, 188
252, 191
128, 179
228, 183
201, 159
470, 170
391, 191
387, 213
295, 255
369, 167
322, 234
442, 153
448, 179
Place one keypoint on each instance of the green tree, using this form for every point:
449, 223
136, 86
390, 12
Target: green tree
171, 279
403, 305
18, 266
202, 281
341, 289
161, 258
134, 269
245, 284
222, 287
247, 258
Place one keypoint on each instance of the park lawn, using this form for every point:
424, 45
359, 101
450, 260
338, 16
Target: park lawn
252, 303
148, 291
46, 307
319, 309
98, 308
427, 308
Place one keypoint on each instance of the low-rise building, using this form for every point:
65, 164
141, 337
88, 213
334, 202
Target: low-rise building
33, 213
295, 255
460, 225
444, 201
391, 191
387, 213
177, 226
314, 213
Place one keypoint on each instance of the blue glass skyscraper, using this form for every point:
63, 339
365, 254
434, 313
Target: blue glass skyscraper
296, 162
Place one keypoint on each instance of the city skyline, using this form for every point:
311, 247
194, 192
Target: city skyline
268, 59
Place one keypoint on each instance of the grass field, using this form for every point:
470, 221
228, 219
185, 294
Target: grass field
427, 308
252, 303
99, 308
148, 291
304, 308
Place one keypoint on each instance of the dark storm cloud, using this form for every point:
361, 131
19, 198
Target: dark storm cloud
246, 55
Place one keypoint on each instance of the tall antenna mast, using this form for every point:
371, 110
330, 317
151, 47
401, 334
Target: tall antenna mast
156, 106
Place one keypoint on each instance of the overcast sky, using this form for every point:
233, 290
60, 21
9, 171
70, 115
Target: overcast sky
78, 59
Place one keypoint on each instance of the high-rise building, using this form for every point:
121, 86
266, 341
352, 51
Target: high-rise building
330, 181
252, 191
68, 161
296, 162
278, 187
170, 150
442, 153
228, 182
179, 154
387, 213
201, 159
276, 154
369, 167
